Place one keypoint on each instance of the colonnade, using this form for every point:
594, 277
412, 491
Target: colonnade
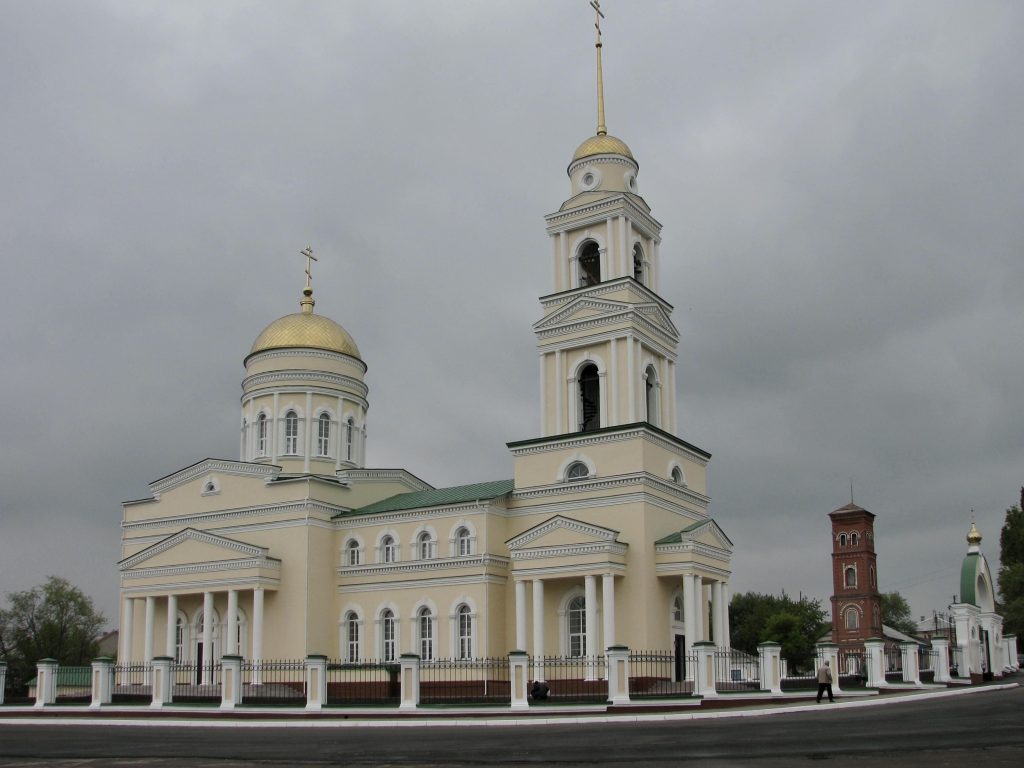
230, 644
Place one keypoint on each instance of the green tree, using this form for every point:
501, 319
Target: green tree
795, 624
53, 620
1011, 569
896, 613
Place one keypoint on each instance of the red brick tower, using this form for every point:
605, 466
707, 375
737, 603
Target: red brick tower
856, 602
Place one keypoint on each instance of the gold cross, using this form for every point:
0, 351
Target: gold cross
310, 258
596, 5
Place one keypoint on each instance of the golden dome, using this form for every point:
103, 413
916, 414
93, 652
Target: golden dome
974, 535
304, 329
602, 144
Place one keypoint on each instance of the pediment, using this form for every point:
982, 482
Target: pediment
586, 309
562, 531
211, 469
190, 546
707, 532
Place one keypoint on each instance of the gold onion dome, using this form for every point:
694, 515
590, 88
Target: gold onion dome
602, 144
304, 329
974, 535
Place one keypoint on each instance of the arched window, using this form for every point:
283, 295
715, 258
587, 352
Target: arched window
577, 471
323, 435
388, 550
678, 615
291, 433
463, 542
854, 539
352, 552
871, 575
877, 620
850, 576
842, 539
261, 435
464, 629
677, 476
388, 634
576, 615
351, 625
424, 546
652, 392
590, 264
852, 619
590, 398
349, 436
426, 630
179, 641
638, 263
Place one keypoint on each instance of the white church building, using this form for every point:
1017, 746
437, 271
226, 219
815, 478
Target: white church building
601, 534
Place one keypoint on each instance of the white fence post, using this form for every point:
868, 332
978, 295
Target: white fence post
518, 671
771, 666
704, 680
230, 682
316, 681
617, 657
874, 660
102, 672
46, 682
911, 671
940, 652
163, 688
3, 680
410, 665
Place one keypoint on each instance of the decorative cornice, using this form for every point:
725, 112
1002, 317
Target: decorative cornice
433, 564
571, 569
608, 286
191, 534
419, 513
618, 433
336, 379
694, 548
423, 583
618, 481
401, 475
204, 585
597, 211
323, 354
268, 563
691, 568
633, 313
571, 550
303, 506
204, 467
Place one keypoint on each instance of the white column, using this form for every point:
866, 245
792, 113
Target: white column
608, 596
150, 616
520, 616
726, 632
538, 629
590, 594
257, 633
625, 257
555, 252
559, 385
631, 379
307, 439
616, 388
673, 416
543, 395
716, 613
207, 636
171, 641
689, 612
126, 630
335, 441
231, 642
607, 252
602, 378
655, 264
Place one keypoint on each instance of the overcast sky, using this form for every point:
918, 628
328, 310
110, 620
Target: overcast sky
841, 187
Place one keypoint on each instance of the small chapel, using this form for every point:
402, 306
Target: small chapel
599, 535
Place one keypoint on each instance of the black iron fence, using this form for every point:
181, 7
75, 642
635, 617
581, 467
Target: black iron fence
131, 683
274, 683
580, 678
736, 671
195, 684
465, 681
660, 674
365, 683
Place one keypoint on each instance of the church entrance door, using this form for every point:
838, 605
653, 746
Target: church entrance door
199, 663
680, 658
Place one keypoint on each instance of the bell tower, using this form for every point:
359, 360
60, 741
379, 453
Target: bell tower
606, 342
856, 602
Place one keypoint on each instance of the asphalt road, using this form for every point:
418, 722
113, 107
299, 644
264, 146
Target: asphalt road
980, 729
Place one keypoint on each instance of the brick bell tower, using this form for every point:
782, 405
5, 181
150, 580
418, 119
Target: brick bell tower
856, 602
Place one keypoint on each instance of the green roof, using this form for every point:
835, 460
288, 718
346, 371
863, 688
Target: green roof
677, 537
436, 497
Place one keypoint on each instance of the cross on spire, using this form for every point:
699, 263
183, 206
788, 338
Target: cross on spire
602, 130
310, 258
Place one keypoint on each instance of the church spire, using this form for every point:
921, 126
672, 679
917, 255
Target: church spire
602, 129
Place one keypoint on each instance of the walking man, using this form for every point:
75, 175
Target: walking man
825, 681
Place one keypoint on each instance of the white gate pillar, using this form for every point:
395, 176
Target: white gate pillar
410, 670
163, 689
771, 666
230, 681
102, 673
874, 660
940, 650
316, 682
518, 668
830, 652
911, 671
618, 675
46, 682
704, 680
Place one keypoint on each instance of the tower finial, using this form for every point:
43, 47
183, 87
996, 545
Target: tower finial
307, 302
602, 130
